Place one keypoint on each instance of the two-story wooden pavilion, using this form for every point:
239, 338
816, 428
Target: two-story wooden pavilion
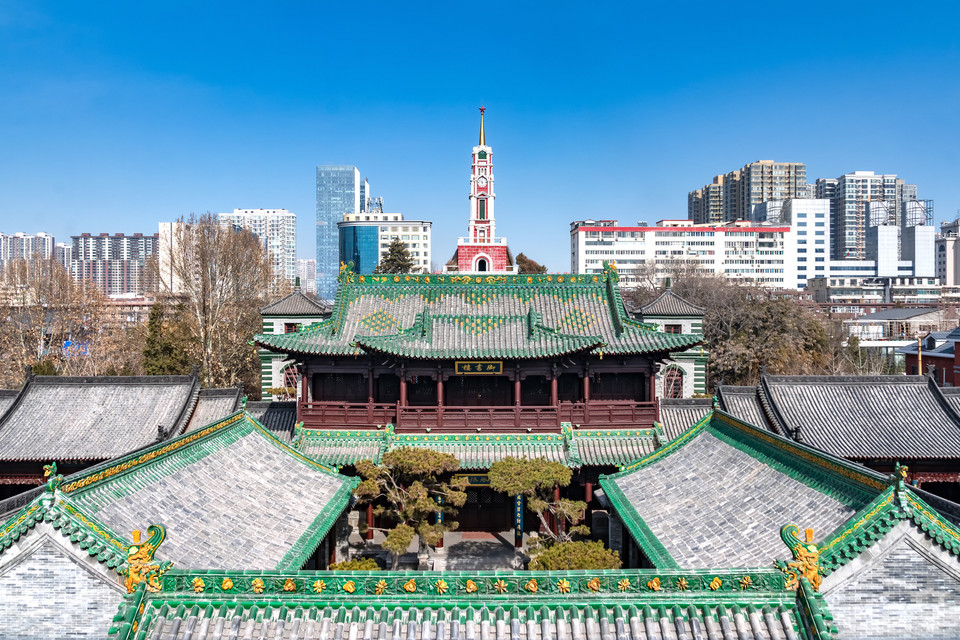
468, 353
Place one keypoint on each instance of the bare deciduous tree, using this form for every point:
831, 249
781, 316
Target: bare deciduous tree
221, 276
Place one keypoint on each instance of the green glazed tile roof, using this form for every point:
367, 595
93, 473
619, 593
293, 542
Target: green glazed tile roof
573, 447
574, 605
453, 316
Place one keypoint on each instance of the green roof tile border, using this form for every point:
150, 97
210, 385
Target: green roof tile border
641, 533
387, 439
97, 540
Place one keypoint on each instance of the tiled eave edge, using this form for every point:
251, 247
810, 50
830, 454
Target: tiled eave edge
308, 543
641, 533
877, 518
845, 478
88, 534
386, 439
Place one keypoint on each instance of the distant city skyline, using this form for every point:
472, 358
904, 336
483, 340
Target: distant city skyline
111, 131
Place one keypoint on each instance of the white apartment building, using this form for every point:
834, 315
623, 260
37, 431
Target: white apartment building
23, 246
307, 272
277, 229
744, 251
948, 253
365, 238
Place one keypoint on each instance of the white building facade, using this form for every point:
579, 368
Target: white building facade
277, 229
741, 251
307, 272
23, 246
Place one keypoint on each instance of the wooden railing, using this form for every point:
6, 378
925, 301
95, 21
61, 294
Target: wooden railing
330, 414
610, 413
469, 419
500, 419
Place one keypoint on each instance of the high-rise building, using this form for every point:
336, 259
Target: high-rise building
63, 254
307, 272
732, 195
365, 238
277, 229
481, 251
339, 191
117, 264
864, 199
23, 246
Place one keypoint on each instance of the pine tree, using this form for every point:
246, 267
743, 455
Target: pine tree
396, 260
164, 349
526, 265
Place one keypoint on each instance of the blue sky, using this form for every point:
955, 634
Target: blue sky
116, 116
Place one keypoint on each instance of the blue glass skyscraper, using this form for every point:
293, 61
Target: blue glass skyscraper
339, 190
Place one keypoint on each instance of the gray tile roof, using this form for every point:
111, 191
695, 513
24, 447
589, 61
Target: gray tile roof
93, 418
613, 451
7, 396
669, 304
279, 417
679, 414
294, 305
744, 403
443, 316
710, 503
894, 314
212, 405
423, 621
235, 497
865, 417
952, 396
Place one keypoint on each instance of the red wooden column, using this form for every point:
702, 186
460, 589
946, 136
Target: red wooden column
305, 384
653, 396
370, 384
589, 493
369, 522
586, 386
516, 391
403, 387
553, 391
439, 386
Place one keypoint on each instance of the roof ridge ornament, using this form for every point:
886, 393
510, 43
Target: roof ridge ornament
806, 558
55, 480
140, 567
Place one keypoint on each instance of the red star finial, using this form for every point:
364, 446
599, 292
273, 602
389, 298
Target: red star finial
482, 109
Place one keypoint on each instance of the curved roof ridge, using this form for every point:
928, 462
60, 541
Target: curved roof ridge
670, 304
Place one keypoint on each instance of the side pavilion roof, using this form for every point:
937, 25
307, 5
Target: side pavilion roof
670, 305
229, 494
719, 494
577, 605
93, 418
448, 316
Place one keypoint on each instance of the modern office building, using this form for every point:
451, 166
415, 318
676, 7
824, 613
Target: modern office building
864, 199
117, 263
366, 237
23, 246
277, 229
948, 253
307, 272
340, 190
744, 251
737, 191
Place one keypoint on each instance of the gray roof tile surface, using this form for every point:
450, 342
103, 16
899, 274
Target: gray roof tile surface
710, 502
892, 417
93, 418
212, 405
295, 304
280, 417
679, 414
670, 304
7, 396
245, 502
744, 403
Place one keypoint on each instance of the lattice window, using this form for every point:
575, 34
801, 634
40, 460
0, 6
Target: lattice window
673, 383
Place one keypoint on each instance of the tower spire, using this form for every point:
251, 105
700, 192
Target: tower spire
483, 137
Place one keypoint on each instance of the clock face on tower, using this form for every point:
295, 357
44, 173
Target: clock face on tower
481, 181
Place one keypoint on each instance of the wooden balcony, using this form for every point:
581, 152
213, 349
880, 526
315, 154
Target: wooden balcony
603, 414
501, 419
340, 414
469, 419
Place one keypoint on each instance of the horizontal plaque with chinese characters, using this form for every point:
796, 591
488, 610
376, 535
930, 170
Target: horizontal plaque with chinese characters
478, 366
